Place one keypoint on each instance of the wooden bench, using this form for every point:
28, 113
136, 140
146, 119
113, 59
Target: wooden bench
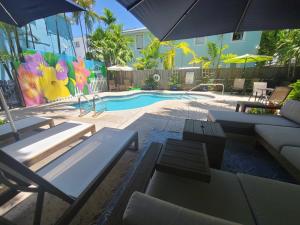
88, 162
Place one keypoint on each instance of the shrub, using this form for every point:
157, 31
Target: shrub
258, 111
2, 121
174, 82
295, 93
150, 83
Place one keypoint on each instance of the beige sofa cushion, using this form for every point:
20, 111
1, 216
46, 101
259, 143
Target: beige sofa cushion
222, 197
277, 136
272, 202
292, 154
244, 120
291, 110
145, 210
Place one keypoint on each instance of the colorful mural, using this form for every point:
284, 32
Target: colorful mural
46, 77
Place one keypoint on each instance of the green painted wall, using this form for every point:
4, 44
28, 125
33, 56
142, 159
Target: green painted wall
248, 45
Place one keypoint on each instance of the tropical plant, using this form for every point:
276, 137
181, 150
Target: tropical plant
150, 56
169, 55
295, 93
108, 17
150, 83
174, 81
268, 43
2, 121
288, 46
89, 16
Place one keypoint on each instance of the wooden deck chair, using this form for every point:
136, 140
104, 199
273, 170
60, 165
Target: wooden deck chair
24, 125
275, 101
88, 162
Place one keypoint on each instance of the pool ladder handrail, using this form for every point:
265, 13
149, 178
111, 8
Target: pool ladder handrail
81, 111
98, 98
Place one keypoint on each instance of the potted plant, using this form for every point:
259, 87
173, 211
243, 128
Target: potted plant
174, 82
150, 83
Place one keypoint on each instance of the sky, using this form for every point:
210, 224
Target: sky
123, 16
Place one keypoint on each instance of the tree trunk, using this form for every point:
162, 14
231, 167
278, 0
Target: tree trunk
57, 35
20, 53
82, 36
26, 36
32, 40
69, 33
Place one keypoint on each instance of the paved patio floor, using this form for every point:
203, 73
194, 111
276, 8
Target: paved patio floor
163, 116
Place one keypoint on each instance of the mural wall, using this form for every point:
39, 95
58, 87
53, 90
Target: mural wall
46, 76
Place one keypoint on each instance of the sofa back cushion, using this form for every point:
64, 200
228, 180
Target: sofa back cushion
291, 110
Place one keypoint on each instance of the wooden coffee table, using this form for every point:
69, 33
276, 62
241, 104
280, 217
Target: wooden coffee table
210, 133
184, 158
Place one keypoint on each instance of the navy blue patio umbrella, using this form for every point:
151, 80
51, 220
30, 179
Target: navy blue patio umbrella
180, 19
21, 12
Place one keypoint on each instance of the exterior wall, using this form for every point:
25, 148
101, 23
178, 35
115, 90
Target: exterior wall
79, 46
44, 37
248, 45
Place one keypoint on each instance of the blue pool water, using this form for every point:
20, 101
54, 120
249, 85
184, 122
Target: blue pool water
137, 101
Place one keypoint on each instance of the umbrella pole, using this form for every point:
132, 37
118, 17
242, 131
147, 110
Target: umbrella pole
8, 115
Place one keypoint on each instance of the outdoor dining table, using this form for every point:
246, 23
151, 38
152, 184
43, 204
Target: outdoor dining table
268, 92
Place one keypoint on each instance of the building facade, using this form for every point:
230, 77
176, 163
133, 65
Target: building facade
80, 45
42, 35
239, 43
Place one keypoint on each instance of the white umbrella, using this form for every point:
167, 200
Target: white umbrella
120, 68
8, 115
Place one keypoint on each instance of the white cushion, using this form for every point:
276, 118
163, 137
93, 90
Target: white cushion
222, 197
41, 143
272, 202
292, 154
277, 136
244, 120
145, 210
291, 110
77, 168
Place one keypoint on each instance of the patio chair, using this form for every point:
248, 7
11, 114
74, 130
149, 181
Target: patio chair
238, 85
112, 85
73, 176
127, 84
24, 125
275, 101
37, 147
258, 90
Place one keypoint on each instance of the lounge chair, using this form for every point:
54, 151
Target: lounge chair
24, 125
112, 85
243, 123
74, 175
127, 84
275, 101
37, 147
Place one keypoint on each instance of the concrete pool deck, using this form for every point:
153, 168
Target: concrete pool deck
166, 115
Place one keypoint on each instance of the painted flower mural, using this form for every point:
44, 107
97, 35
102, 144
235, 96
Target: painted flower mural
53, 88
30, 87
81, 74
47, 77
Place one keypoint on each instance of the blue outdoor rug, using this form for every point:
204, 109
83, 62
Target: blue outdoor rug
238, 157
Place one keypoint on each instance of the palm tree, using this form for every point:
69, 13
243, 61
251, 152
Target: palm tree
90, 17
108, 17
169, 56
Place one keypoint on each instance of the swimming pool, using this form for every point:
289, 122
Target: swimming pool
115, 103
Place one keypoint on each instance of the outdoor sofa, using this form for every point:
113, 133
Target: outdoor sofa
228, 199
243, 123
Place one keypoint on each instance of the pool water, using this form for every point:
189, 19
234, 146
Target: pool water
137, 101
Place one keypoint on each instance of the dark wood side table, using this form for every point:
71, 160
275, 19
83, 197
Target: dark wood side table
210, 133
184, 158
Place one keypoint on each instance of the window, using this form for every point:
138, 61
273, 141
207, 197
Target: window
77, 44
237, 36
139, 41
199, 40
